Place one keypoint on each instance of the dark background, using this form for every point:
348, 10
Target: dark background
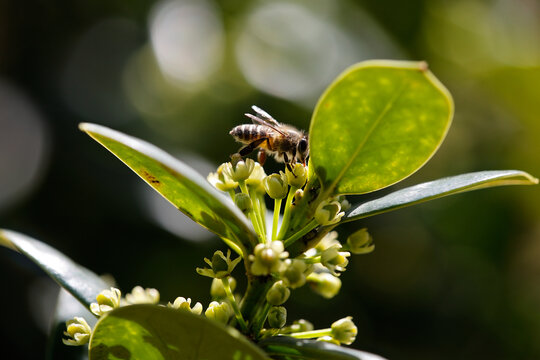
457, 278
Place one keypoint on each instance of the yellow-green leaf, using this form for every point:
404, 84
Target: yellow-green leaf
378, 123
180, 184
152, 332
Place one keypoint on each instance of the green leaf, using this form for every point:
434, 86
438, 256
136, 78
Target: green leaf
83, 284
437, 189
180, 184
153, 332
286, 347
378, 123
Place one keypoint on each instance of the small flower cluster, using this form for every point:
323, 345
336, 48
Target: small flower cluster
300, 249
306, 215
78, 331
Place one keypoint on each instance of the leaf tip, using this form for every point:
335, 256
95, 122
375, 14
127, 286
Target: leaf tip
84, 126
4, 240
423, 66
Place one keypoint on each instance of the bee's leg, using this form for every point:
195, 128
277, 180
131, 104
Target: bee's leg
288, 163
248, 149
261, 156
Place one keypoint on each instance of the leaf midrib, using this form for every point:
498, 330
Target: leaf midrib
361, 145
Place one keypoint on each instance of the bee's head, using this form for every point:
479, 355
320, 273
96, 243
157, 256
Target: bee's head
302, 150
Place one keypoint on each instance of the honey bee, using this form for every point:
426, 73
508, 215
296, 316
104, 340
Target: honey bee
286, 143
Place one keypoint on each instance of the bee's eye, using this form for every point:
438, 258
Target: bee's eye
302, 146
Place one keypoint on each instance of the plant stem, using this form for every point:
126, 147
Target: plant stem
252, 215
234, 305
311, 334
259, 210
309, 226
287, 213
255, 298
277, 210
260, 318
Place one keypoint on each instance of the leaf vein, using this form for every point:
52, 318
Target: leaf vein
362, 143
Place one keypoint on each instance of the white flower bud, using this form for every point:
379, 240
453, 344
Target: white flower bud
335, 260
360, 242
294, 274
182, 303
277, 317
276, 185
266, 258
344, 330
217, 290
221, 181
297, 177
107, 300
278, 294
241, 171
328, 212
219, 311
142, 296
324, 284
78, 332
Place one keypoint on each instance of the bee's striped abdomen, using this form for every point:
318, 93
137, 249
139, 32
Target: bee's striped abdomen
247, 133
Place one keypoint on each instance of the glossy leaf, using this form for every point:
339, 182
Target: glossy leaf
378, 123
180, 184
153, 332
437, 189
285, 347
83, 284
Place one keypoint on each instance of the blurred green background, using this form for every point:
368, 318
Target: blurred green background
458, 278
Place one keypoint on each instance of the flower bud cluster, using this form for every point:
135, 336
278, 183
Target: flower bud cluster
139, 295
267, 258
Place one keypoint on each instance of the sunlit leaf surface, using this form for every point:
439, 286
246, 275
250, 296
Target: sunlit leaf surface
79, 281
153, 332
439, 188
180, 184
378, 123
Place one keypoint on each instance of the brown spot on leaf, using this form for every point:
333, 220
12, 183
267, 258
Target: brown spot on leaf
150, 178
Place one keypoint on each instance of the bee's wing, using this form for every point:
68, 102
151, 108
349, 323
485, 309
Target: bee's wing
266, 117
258, 120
